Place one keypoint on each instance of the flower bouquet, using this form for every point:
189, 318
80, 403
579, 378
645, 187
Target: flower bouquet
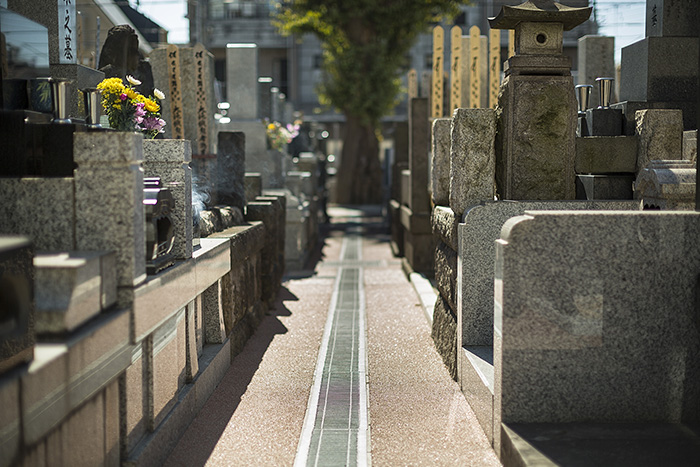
279, 135
129, 110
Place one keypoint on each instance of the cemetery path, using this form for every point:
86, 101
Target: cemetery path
380, 394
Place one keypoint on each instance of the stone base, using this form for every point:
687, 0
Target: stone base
600, 187
604, 122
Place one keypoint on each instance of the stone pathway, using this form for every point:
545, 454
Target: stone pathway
342, 372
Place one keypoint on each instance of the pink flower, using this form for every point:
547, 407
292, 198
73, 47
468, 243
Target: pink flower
140, 112
122, 97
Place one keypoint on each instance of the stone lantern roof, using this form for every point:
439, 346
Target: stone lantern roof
540, 11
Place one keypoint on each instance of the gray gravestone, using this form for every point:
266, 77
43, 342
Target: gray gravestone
230, 184
596, 58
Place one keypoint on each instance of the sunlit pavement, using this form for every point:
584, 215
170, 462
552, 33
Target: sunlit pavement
341, 372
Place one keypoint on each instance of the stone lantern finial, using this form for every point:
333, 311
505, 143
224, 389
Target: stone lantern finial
539, 25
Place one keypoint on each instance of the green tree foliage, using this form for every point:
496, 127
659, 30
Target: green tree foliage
365, 44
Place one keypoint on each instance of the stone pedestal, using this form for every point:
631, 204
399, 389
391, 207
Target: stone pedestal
109, 200
170, 159
535, 139
472, 158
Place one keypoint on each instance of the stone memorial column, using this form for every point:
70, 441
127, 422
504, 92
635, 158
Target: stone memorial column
596, 59
537, 107
109, 201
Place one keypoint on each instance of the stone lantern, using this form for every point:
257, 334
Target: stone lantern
537, 111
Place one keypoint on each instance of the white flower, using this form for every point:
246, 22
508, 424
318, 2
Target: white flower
158, 93
132, 80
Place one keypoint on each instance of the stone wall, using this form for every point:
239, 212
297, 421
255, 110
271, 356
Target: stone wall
124, 359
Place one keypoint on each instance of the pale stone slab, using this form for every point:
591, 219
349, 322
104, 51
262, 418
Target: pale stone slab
690, 145
64, 376
477, 253
444, 222
596, 313
169, 363
472, 157
212, 315
440, 173
242, 80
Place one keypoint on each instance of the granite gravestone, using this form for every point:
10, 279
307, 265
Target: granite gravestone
661, 70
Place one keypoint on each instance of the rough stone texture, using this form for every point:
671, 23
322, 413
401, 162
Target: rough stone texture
17, 279
42, 209
230, 185
606, 154
672, 18
444, 222
440, 173
596, 59
109, 200
170, 160
477, 253
535, 138
660, 136
242, 80
580, 297
191, 351
253, 185
418, 145
273, 217
472, 157
212, 314
690, 145
68, 290
444, 335
446, 274
630, 108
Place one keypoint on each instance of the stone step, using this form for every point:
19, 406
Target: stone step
72, 287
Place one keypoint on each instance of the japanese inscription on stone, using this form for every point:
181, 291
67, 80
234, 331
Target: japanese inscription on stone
494, 66
67, 32
201, 78
474, 67
456, 58
175, 92
438, 73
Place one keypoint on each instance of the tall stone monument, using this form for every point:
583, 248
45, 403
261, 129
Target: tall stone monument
661, 70
537, 107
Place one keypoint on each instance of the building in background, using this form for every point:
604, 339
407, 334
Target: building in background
294, 63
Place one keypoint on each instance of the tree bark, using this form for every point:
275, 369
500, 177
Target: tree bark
359, 177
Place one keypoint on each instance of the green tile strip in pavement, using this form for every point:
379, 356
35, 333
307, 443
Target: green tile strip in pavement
336, 427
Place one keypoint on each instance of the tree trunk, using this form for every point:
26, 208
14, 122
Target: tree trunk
359, 178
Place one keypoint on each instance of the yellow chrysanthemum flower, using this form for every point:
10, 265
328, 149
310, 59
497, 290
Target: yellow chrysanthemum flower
111, 86
151, 106
131, 94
